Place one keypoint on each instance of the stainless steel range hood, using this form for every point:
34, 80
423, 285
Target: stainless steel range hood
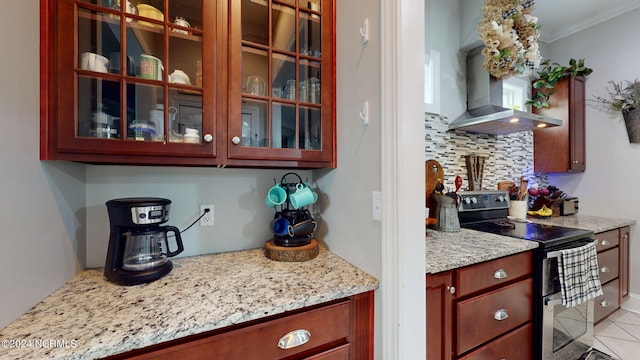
485, 113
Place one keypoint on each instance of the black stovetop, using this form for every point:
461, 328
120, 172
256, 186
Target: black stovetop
545, 235
487, 211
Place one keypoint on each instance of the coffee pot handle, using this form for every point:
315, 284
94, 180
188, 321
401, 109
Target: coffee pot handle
176, 232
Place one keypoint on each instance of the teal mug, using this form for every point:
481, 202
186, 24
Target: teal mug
277, 195
303, 196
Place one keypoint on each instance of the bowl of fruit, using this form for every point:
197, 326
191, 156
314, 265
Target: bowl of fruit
545, 201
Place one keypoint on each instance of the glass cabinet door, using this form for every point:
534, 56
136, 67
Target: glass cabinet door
280, 65
139, 72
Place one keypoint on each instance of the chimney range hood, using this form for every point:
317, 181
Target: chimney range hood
485, 113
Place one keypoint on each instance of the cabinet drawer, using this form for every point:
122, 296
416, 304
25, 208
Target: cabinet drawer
492, 273
326, 325
608, 265
607, 240
608, 302
479, 320
514, 345
339, 353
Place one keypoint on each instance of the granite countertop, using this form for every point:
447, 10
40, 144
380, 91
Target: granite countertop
594, 223
89, 318
451, 250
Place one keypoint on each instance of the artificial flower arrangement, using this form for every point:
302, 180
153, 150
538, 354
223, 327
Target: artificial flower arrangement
510, 35
624, 96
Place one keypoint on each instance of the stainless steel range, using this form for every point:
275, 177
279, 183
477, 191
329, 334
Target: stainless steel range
560, 333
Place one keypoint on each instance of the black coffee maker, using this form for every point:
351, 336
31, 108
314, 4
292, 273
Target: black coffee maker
138, 246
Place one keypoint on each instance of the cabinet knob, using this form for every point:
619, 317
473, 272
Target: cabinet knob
208, 138
604, 269
452, 289
294, 338
500, 274
604, 242
604, 303
500, 315
235, 140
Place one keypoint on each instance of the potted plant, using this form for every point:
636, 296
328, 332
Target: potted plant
624, 97
551, 74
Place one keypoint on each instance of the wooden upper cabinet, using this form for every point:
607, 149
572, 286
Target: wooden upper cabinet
281, 82
183, 82
562, 148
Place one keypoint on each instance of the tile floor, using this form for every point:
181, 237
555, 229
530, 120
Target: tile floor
619, 335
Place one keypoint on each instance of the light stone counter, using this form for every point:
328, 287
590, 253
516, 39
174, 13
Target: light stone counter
451, 250
89, 318
595, 223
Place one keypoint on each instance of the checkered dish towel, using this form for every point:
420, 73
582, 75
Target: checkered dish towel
578, 272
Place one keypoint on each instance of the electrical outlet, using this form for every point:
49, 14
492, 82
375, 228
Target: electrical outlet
208, 218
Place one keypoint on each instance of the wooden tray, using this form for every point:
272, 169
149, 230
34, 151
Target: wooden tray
291, 254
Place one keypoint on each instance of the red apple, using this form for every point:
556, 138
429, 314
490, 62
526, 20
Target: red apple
543, 192
533, 192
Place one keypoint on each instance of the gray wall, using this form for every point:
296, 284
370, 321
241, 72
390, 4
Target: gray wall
348, 227
42, 216
242, 220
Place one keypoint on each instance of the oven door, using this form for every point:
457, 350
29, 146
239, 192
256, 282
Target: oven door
567, 333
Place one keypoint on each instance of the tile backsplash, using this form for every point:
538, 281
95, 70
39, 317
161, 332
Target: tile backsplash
507, 156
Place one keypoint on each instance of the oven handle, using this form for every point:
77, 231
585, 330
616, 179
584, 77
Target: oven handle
552, 302
554, 254
558, 253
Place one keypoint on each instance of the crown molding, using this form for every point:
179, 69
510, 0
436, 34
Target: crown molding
592, 21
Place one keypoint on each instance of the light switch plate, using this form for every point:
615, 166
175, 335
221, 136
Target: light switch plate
376, 200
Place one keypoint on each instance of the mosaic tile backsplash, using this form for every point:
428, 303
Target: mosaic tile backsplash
507, 156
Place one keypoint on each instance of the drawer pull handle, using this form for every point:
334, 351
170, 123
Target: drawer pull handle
452, 289
294, 339
500, 315
604, 269
604, 303
500, 274
604, 242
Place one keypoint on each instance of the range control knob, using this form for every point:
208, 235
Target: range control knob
500, 199
467, 200
474, 200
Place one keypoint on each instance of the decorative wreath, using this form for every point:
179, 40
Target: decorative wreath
510, 35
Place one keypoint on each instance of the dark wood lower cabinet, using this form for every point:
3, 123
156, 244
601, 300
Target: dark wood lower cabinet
339, 330
503, 348
482, 311
613, 262
439, 311
624, 261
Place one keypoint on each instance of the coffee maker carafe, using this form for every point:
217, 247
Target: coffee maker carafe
138, 246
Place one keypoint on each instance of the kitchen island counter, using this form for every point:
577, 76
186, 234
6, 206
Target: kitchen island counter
451, 250
596, 224
89, 318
